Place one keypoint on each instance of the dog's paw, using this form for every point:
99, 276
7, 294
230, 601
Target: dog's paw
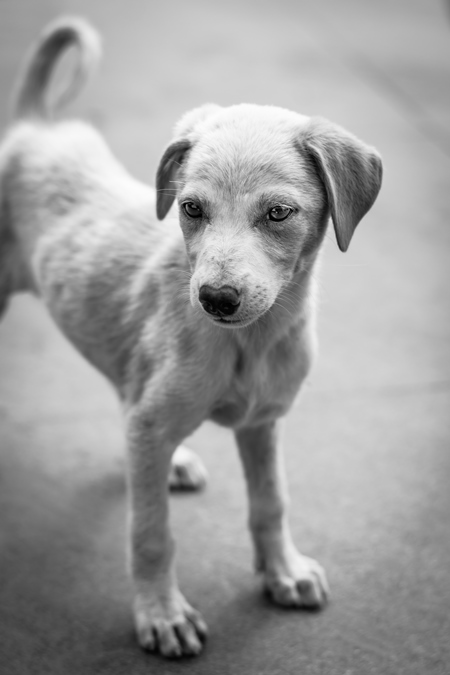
297, 582
187, 471
174, 629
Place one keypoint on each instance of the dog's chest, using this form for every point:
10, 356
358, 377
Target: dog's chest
261, 388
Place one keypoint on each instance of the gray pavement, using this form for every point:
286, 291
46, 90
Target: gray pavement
367, 445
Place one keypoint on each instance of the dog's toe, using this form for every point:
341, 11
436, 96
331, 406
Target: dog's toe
187, 471
175, 632
312, 594
160, 636
190, 641
300, 583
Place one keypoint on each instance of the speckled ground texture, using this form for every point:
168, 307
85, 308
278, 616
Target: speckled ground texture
367, 445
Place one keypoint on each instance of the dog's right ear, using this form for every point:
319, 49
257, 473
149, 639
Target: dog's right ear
168, 168
187, 132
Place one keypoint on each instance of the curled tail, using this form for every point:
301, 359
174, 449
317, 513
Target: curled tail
31, 97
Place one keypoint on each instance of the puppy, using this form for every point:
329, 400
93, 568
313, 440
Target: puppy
208, 315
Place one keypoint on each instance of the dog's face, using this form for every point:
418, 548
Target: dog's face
253, 204
249, 205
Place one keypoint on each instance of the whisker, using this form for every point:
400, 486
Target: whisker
279, 304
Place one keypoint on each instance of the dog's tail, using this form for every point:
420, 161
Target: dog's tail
32, 92
32, 103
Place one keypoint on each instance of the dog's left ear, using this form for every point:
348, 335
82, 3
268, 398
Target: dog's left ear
350, 170
166, 175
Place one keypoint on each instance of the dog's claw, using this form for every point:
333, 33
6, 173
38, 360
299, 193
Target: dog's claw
187, 471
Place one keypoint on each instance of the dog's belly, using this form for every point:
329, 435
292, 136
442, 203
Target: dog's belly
229, 414
236, 414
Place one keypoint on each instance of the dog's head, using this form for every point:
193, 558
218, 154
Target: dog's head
255, 187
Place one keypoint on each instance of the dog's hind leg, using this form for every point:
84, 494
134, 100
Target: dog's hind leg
8, 256
187, 471
14, 276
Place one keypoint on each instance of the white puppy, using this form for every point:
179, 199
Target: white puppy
210, 320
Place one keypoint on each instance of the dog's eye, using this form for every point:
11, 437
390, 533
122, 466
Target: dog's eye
192, 210
278, 213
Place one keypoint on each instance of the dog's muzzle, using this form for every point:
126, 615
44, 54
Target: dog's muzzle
219, 302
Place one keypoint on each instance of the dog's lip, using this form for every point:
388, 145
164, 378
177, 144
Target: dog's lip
226, 322
231, 321
236, 323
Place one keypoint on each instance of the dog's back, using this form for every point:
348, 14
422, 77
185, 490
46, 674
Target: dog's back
75, 227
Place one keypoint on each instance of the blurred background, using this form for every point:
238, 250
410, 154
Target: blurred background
367, 445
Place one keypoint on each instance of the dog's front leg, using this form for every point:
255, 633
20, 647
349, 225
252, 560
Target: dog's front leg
291, 578
165, 621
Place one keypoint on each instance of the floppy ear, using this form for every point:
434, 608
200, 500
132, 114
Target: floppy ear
351, 172
187, 132
166, 175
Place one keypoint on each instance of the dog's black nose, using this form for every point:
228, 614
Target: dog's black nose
222, 301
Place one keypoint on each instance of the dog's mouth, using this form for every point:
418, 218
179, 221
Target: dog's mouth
233, 323
229, 322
